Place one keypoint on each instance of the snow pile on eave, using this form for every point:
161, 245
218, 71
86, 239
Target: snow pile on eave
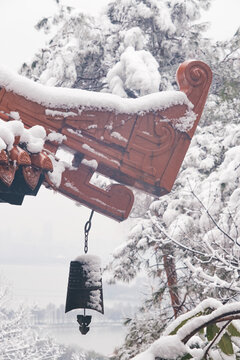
34, 137
75, 98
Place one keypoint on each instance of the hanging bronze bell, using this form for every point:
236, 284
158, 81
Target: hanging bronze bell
85, 284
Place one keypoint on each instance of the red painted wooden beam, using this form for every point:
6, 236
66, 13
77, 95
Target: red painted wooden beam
142, 149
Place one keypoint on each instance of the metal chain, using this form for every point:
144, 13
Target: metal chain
87, 228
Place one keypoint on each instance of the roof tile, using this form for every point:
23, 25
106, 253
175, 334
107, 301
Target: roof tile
21, 172
7, 173
20, 156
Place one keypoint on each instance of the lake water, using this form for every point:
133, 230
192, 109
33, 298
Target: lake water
101, 338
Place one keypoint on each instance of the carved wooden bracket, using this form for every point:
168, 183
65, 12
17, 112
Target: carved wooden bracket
144, 149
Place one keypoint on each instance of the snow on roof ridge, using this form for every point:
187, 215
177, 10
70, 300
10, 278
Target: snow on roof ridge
55, 97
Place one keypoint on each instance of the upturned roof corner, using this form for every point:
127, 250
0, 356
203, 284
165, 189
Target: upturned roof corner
139, 143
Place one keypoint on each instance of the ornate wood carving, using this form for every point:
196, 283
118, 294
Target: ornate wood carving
141, 150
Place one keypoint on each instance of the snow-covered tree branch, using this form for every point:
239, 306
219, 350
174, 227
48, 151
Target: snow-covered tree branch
210, 330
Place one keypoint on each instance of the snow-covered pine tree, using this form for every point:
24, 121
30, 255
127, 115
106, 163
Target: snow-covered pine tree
199, 219
82, 50
169, 32
73, 56
17, 339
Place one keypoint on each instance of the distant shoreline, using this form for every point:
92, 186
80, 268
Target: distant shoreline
73, 325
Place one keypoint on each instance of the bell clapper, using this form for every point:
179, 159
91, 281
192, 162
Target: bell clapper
84, 321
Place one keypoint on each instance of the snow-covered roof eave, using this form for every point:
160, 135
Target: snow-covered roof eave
57, 97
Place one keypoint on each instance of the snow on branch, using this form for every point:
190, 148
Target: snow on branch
214, 280
175, 342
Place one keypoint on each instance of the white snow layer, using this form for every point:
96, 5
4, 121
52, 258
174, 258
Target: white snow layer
34, 137
167, 347
91, 265
57, 137
90, 163
58, 168
137, 70
92, 271
74, 98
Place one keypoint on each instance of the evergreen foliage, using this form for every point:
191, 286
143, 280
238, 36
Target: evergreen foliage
82, 49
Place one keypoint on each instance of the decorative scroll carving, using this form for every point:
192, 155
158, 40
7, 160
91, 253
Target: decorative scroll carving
195, 78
